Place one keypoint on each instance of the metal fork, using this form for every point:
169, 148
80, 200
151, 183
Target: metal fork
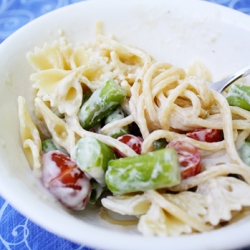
221, 85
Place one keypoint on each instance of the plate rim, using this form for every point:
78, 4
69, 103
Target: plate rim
142, 242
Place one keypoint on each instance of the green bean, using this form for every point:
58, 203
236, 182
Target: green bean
48, 145
96, 192
86, 96
160, 144
154, 170
101, 103
244, 152
239, 95
116, 115
92, 157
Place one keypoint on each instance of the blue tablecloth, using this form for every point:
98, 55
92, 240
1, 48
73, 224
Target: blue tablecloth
16, 231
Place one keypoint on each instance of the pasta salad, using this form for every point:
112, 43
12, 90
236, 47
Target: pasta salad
146, 138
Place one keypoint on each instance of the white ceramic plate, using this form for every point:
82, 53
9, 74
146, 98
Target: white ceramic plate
173, 31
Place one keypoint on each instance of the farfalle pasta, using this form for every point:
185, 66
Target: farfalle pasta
179, 167
30, 137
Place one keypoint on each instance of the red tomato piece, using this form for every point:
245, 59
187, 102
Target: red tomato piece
189, 158
206, 135
134, 142
65, 180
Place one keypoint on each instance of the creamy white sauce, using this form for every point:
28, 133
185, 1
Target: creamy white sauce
75, 199
49, 170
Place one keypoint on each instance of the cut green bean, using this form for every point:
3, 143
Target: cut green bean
154, 170
239, 96
92, 157
48, 145
118, 132
160, 144
116, 115
244, 152
101, 103
96, 192
86, 96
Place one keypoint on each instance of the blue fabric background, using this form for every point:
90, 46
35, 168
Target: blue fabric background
19, 233
16, 231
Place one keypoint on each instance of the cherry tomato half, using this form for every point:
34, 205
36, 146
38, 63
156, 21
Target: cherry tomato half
206, 135
189, 158
65, 180
134, 142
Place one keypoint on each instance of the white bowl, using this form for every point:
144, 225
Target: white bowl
173, 31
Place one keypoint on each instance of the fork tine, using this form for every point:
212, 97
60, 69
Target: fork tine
221, 85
